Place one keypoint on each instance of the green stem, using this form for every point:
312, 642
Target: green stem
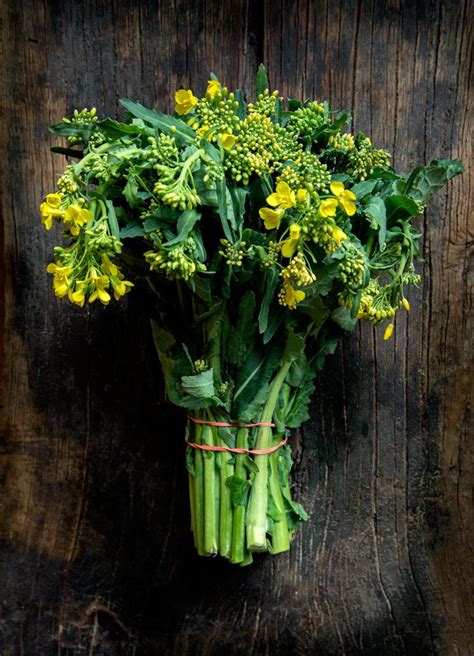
192, 506
226, 510
280, 536
210, 506
198, 484
238, 550
258, 504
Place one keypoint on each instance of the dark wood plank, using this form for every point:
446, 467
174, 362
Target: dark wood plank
96, 552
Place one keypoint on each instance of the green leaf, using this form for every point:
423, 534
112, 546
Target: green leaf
295, 513
112, 218
225, 208
242, 108
275, 320
253, 378
244, 330
71, 130
238, 196
272, 510
151, 224
363, 189
116, 130
190, 461
294, 347
200, 386
342, 316
186, 223
271, 282
426, 180
131, 191
298, 411
132, 229
262, 79
328, 345
342, 118
401, 207
168, 124
239, 490
375, 210
250, 464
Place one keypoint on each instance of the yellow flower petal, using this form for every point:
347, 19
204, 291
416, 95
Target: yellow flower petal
289, 247
282, 197
185, 101
301, 196
338, 235
53, 199
348, 205
271, 217
328, 207
299, 295
295, 231
336, 188
350, 195
213, 87
104, 297
273, 200
388, 331
203, 130
48, 222
228, 140
292, 297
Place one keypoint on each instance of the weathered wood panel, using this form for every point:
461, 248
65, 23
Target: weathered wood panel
96, 553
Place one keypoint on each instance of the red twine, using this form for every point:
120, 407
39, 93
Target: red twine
224, 424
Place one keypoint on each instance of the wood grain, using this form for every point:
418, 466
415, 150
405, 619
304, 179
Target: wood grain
97, 556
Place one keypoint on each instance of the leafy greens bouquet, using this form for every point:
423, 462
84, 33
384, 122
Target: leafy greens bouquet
262, 229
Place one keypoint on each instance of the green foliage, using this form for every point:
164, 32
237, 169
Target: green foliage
261, 230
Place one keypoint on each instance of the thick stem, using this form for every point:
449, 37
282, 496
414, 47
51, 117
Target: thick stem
258, 504
238, 551
280, 536
198, 483
192, 507
226, 510
210, 505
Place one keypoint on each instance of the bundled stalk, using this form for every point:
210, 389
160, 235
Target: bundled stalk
259, 232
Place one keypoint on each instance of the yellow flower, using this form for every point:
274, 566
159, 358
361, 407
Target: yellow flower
49, 208
78, 297
60, 280
185, 101
301, 196
202, 130
271, 217
338, 235
109, 266
345, 197
328, 207
293, 296
75, 217
213, 87
406, 304
388, 331
283, 197
228, 140
121, 287
100, 284
289, 245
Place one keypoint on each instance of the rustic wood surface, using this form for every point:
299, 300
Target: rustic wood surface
97, 556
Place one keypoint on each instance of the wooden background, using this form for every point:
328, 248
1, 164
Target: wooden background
97, 557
